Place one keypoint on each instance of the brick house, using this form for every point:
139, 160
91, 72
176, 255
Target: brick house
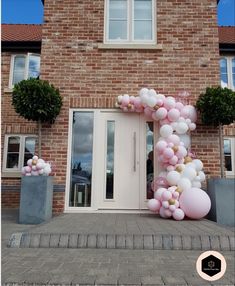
116, 47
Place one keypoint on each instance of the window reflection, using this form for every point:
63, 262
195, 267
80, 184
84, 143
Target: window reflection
81, 159
110, 159
29, 149
223, 72
13, 152
149, 158
227, 154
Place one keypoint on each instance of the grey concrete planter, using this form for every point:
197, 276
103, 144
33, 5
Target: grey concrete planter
36, 199
221, 193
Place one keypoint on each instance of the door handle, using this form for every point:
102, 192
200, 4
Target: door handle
134, 141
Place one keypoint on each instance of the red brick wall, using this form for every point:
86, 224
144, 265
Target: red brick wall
91, 77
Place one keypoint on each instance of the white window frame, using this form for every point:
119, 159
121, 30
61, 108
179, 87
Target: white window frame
231, 174
130, 26
26, 71
229, 70
15, 171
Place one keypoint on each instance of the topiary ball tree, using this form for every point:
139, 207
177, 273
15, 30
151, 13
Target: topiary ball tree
217, 108
37, 100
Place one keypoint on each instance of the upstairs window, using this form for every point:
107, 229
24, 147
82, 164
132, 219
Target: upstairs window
24, 67
227, 72
130, 21
17, 150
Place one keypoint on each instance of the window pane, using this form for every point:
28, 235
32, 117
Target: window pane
13, 160
13, 144
118, 9
18, 69
34, 66
228, 163
29, 149
81, 159
227, 146
223, 72
110, 159
117, 30
143, 30
149, 159
233, 71
143, 10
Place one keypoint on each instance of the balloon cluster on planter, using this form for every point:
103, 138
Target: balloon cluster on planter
177, 190
36, 167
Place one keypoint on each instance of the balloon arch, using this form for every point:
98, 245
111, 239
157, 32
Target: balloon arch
177, 190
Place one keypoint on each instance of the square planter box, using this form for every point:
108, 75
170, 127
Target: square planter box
221, 193
36, 199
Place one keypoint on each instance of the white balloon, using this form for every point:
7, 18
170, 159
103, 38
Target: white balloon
119, 98
198, 164
184, 184
166, 131
186, 139
189, 173
181, 128
202, 176
143, 90
152, 101
196, 184
173, 178
152, 92
158, 193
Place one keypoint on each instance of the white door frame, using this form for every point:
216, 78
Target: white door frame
95, 167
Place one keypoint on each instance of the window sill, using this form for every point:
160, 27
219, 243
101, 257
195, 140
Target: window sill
11, 174
8, 90
131, 46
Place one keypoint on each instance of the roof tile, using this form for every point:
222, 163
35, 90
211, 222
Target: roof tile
21, 32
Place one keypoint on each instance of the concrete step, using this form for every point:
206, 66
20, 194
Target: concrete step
122, 241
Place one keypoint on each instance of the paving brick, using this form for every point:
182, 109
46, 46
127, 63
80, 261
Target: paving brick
82, 241
106, 280
45, 240
129, 280
34, 240
186, 242
91, 240
224, 243
37, 277
196, 243
167, 242
83, 280
174, 280
232, 243
215, 245
64, 241
101, 241
138, 241
111, 241
120, 241
73, 240
25, 240
205, 241
15, 240
59, 279
148, 242
176, 242
54, 240
129, 241
157, 242
152, 280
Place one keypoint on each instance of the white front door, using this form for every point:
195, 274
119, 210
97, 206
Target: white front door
119, 159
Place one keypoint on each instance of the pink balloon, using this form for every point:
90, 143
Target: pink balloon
154, 205
169, 103
182, 152
162, 212
137, 103
173, 160
29, 162
167, 213
173, 114
175, 195
192, 126
178, 214
132, 99
185, 112
148, 112
27, 169
161, 146
179, 105
166, 195
154, 117
165, 204
34, 173
172, 208
161, 113
174, 139
195, 203
168, 153
164, 122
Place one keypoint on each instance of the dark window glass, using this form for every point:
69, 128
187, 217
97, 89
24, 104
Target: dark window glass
149, 158
13, 150
110, 159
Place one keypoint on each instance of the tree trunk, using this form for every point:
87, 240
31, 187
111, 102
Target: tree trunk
39, 139
221, 145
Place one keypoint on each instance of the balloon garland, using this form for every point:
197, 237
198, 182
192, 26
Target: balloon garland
36, 167
177, 190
